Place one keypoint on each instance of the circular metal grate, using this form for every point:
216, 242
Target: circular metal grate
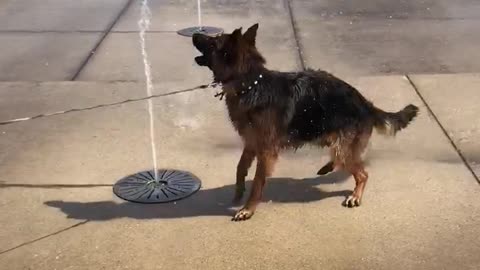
172, 185
206, 30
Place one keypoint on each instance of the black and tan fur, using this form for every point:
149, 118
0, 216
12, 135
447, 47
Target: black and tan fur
274, 110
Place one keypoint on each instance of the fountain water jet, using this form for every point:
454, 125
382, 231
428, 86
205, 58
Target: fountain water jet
206, 30
154, 186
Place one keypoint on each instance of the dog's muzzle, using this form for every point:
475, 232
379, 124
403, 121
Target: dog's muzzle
200, 42
201, 60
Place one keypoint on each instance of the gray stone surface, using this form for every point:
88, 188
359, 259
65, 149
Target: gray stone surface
43, 56
403, 9
25, 217
38, 151
172, 58
26, 99
382, 37
344, 37
455, 101
58, 15
174, 15
420, 208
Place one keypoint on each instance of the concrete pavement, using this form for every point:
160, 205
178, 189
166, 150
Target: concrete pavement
347, 38
389, 37
421, 203
421, 208
459, 115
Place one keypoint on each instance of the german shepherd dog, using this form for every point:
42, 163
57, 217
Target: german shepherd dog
274, 110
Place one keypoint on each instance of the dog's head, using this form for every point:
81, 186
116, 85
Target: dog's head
228, 55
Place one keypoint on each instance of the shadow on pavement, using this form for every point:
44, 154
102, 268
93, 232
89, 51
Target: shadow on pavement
206, 202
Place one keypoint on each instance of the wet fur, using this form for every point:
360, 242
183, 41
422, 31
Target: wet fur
274, 110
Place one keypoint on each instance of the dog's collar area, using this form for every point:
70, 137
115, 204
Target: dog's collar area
253, 83
244, 88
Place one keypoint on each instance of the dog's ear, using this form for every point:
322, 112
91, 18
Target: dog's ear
251, 34
237, 34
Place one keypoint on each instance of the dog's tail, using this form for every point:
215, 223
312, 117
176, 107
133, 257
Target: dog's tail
388, 123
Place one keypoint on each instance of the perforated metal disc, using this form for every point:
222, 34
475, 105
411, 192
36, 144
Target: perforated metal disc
172, 185
206, 30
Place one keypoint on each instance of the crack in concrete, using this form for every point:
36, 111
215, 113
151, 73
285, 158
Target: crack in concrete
430, 111
102, 38
44, 237
295, 35
7, 122
52, 186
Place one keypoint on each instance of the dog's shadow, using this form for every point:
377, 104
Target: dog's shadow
206, 202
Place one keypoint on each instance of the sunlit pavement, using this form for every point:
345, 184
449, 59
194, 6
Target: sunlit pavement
421, 209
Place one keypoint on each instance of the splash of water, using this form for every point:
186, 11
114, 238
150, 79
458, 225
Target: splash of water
144, 25
199, 14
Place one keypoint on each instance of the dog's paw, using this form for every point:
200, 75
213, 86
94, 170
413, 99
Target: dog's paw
352, 201
243, 214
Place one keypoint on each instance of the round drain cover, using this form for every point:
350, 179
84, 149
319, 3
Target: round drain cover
172, 185
206, 30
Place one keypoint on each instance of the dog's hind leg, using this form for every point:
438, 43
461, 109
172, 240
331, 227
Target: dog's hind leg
355, 166
265, 163
244, 164
361, 178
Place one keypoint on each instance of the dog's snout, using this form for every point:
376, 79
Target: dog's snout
197, 39
200, 41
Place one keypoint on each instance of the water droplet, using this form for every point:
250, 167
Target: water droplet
351, 22
261, 76
390, 16
249, 87
255, 82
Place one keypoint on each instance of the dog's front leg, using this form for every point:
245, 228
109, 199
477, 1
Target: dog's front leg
265, 163
244, 164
